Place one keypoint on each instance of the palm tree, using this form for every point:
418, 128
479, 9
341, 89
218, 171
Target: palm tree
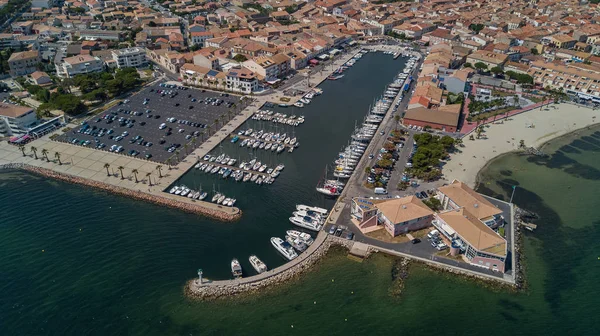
149, 180
458, 141
217, 123
120, 168
208, 129
185, 146
200, 81
135, 172
45, 154
479, 131
177, 152
168, 162
34, 150
194, 142
57, 156
521, 143
106, 165
159, 167
22, 149
202, 136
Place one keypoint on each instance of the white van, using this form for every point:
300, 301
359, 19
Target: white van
433, 233
162, 126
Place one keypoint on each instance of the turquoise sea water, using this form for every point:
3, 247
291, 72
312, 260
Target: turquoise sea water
75, 261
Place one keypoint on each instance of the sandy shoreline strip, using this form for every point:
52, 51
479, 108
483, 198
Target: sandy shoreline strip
501, 138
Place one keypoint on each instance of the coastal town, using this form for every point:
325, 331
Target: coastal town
198, 106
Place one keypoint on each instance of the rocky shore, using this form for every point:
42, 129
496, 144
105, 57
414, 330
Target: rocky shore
220, 289
163, 201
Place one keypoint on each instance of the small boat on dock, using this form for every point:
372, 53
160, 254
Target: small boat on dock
257, 264
302, 207
306, 238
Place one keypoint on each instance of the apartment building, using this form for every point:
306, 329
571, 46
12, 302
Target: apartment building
241, 80
15, 120
130, 57
199, 38
580, 79
491, 59
23, 63
81, 64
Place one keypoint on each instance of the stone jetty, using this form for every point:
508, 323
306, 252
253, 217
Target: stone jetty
291, 270
140, 195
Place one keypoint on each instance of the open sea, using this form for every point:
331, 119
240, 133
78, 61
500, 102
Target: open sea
76, 261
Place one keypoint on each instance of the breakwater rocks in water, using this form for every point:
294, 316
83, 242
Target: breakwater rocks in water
139, 195
289, 271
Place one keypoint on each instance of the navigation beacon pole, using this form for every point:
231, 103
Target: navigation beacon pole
200, 276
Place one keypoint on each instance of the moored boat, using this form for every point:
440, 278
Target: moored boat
257, 264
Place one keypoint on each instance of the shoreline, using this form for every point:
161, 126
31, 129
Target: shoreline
137, 195
502, 138
540, 147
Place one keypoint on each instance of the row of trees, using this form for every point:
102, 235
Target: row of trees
44, 152
476, 107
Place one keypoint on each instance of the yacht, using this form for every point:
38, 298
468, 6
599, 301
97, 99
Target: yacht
309, 213
280, 167
254, 177
298, 104
197, 166
247, 177
216, 197
329, 190
208, 168
306, 238
296, 243
221, 199
203, 196
268, 146
306, 222
301, 207
258, 265
284, 248
185, 191
236, 268
262, 168
173, 190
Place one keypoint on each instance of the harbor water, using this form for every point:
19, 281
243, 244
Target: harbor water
75, 261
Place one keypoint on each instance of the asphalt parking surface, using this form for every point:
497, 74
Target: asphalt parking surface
160, 106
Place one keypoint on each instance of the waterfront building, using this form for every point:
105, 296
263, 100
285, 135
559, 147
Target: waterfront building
581, 79
395, 215
15, 120
459, 195
480, 245
241, 80
81, 64
23, 63
130, 57
444, 118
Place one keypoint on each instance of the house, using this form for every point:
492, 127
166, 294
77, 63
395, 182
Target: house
242, 80
456, 83
207, 60
490, 59
81, 64
199, 38
15, 119
562, 41
40, 78
396, 215
168, 60
23, 63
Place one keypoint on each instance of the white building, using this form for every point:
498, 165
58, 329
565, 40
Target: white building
241, 80
130, 57
80, 64
15, 120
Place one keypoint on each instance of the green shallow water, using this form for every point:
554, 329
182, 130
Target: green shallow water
75, 261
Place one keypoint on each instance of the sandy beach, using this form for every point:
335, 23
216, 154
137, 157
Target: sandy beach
499, 138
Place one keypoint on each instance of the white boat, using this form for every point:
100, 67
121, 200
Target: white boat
221, 199
173, 190
268, 146
233, 202
284, 248
302, 207
185, 191
296, 243
197, 166
331, 191
280, 167
226, 201
258, 265
254, 177
315, 215
306, 222
247, 177
298, 104
202, 196
216, 197
306, 238
262, 168
236, 268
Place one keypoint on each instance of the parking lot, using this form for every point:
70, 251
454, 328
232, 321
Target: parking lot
156, 122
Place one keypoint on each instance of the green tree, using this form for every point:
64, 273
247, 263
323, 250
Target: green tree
135, 172
240, 58
468, 65
22, 149
496, 70
476, 27
45, 154
57, 156
159, 168
34, 150
106, 165
481, 66
120, 168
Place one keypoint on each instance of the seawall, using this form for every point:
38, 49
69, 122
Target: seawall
139, 195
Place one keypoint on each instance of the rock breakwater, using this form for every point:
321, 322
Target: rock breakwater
219, 289
139, 195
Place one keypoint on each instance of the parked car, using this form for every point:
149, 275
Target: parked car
332, 229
